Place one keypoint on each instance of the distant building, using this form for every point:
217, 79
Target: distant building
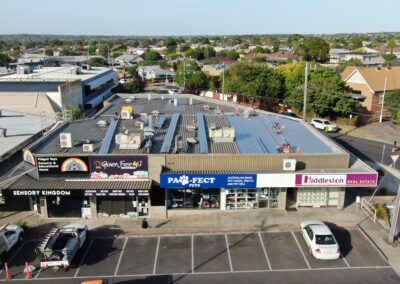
50, 89
278, 57
128, 59
155, 73
367, 84
214, 69
370, 58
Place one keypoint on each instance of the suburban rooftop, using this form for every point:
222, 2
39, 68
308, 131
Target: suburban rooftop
186, 124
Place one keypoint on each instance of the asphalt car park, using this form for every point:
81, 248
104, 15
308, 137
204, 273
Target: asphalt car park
171, 257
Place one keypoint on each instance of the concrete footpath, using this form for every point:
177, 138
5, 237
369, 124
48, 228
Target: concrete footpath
265, 220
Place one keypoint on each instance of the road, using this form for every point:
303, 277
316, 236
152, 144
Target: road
366, 150
280, 257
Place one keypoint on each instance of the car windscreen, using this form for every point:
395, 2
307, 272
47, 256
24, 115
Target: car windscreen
324, 240
327, 122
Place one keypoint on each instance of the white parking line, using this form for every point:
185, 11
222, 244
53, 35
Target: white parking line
265, 251
14, 255
192, 254
229, 253
297, 242
37, 274
203, 273
83, 258
345, 261
155, 258
120, 256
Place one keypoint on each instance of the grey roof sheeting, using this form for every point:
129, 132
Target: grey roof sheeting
18, 86
257, 134
26, 182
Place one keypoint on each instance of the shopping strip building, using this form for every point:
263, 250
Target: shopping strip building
158, 156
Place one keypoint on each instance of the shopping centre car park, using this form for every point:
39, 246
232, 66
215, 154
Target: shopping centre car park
274, 255
159, 156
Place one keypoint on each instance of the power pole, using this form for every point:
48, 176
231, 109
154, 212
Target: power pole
383, 101
305, 92
223, 78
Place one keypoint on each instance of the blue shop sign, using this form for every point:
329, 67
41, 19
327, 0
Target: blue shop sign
208, 180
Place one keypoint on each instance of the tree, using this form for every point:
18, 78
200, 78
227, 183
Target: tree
392, 102
327, 92
351, 62
191, 77
184, 47
76, 113
209, 52
196, 53
129, 87
48, 52
132, 70
254, 81
97, 61
355, 42
276, 44
103, 50
151, 55
392, 45
205, 40
170, 44
67, 51
4, 59
313, 48
231, 54
92, 49
258, 49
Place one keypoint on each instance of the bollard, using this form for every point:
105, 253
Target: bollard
8, 275
27, 270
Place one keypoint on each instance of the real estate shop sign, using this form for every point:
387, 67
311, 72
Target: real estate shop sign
208, 181
119, 167
72, 166
345, 179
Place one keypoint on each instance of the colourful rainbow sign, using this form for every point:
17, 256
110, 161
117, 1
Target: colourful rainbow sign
28, 157
74, 165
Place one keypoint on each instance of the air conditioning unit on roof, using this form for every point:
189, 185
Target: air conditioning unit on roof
125, 114
65, 140
289, 164
87, 148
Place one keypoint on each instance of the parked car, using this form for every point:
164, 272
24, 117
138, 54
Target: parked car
60, 246
324, 125
10, 235
320, 240
173, 91
123, 81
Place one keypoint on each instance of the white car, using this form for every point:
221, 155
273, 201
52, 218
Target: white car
320, 240
324, 124
173, 91
123, 81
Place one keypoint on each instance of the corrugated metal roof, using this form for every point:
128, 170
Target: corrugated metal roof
18, 86
26, 182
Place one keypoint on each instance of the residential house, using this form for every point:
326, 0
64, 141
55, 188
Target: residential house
128, 59
368, 84
385, 50
155, 73
370, 58
214, 69
136, 50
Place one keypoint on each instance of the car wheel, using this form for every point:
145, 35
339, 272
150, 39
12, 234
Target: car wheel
21, 238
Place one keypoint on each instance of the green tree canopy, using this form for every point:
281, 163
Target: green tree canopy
392, 101
132, 70
191, 77
253, 80
313, 49
97, 61
151, 55
355, 42
327, 92
4, 59
129, 87
351, 62
48, 52
209, 52
229, 53
170, 44
103, 50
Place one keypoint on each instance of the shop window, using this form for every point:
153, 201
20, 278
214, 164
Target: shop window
193, 198
252, 198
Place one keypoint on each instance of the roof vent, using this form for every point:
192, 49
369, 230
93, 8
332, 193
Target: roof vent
3, 132
102, 123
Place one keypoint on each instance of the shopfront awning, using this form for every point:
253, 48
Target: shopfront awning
28, 186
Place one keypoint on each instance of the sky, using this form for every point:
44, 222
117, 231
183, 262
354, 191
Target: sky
197, 17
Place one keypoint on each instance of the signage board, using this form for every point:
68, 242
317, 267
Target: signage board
208, 181
50, 166
341, 180
119, 167
75, 192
